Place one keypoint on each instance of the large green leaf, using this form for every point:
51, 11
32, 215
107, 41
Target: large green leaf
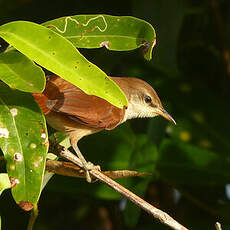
24, 142
55, 53
21, 73
4, 183
113, 32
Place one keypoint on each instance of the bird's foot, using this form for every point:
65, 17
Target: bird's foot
88, 166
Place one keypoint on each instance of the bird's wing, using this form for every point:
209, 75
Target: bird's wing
61, 96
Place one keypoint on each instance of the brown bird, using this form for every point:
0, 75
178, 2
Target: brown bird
68, 109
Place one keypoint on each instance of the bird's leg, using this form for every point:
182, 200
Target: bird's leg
74, 137
86, 164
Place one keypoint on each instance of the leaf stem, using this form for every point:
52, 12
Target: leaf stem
33, 217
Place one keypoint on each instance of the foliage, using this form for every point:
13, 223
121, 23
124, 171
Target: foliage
24, 143
189, 162
58, 55
5, 182
23, 133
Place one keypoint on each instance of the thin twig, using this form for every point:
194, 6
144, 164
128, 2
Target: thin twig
218, 226
157, 213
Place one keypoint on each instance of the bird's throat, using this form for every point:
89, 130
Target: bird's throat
137, 110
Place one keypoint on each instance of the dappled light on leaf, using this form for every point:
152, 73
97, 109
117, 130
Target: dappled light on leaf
23, 146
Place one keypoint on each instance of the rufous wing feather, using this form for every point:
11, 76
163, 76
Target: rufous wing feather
63, 97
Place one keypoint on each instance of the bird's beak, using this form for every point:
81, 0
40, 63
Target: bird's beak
162, 112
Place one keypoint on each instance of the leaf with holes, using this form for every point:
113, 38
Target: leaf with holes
4, 182
57, 54
19, 72
113, 32
24, 142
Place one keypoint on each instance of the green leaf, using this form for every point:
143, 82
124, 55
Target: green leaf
55, 53
48, 175
113, 32
4, 184
186, 164
132, 212
60, 138
24, 142
167, 17
63, 140
21, 73
144, 159
145, 156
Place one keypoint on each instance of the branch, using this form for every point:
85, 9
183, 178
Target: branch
69, 169
155, 212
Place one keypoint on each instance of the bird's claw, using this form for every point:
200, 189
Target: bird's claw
88, 166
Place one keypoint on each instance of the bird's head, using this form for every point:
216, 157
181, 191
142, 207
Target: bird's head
143, 100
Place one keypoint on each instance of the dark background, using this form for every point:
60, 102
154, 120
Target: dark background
190, 162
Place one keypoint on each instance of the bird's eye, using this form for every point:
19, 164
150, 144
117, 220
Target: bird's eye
148, 99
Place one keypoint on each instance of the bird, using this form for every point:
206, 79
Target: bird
70, 110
